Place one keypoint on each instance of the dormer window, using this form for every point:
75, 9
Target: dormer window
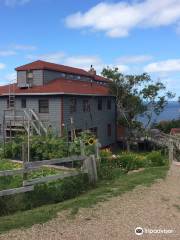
29, 77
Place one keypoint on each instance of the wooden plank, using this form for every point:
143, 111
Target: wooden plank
48, 178
11, 172
16, 190
16, 172
54, 161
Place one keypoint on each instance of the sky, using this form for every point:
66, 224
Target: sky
134, 35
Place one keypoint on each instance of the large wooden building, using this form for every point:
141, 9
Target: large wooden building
59, 97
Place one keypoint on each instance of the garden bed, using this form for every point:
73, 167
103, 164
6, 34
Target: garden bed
50, 192
16, 181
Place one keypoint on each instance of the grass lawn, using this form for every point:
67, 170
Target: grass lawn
104, 190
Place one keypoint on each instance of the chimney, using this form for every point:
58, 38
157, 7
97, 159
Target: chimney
92, 71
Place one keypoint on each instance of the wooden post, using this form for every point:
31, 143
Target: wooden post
90, 167
171, 151
82, 149
97, 154
24, 158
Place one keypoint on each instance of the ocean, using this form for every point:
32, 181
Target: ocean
172, 111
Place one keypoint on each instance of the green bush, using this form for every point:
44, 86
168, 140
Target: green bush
126, 162
52, 192
156, 159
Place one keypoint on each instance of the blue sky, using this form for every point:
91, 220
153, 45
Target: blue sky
136, 36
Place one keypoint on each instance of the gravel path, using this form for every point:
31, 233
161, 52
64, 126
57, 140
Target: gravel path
154, 207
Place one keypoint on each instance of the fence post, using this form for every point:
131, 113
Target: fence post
24, 159
82, 148
97, 154
91, 168
171, 151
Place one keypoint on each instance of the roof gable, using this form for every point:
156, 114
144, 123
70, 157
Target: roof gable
43, 65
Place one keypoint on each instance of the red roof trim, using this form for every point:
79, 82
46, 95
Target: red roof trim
43, 65
175, 131
60, 86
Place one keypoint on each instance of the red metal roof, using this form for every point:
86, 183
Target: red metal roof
59, 86
43, 65
175, 131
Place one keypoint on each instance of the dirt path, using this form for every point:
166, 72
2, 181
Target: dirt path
156, 207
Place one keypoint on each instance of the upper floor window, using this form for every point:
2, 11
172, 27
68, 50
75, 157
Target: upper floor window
109, 103
99, 103
29, 77
23, 103
86, 105
73, 103
43, 106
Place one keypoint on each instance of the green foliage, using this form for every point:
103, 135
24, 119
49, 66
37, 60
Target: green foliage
52, 192
126, 162
155, 159
48, 147
103, 191
136, 95
88, 141
166, 126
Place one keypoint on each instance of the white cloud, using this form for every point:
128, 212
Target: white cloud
12, 3
11, 77
80, 61
83, 62
55, 57
2, 66
122, 68
170, 65
5, 53
118, 19
24, 47
134, 59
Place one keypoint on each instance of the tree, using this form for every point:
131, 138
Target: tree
136, 95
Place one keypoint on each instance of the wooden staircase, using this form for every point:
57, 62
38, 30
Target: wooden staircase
21, 121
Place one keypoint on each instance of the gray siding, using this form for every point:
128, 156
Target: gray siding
52, 118
21, 78
94, 118
37, 77
82, 120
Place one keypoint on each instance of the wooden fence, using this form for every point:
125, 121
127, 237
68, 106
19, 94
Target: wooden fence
166, 140
88, 166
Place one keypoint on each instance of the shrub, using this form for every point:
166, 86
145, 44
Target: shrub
52, 192
131, 161
156, 159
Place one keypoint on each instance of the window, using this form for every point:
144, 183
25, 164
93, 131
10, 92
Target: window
86, 105
94, 131
29, 77
99, 103
73, 103
109, 130
11, 102
109, 103
23, 103
43, 106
